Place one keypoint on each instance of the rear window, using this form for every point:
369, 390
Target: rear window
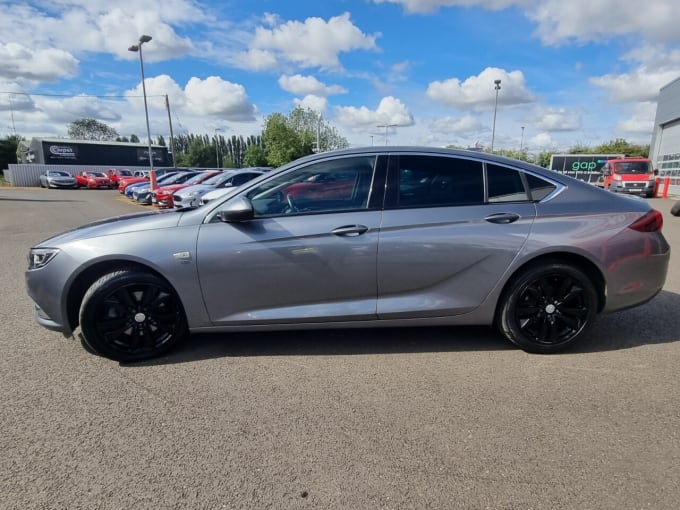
505, 184
538, 187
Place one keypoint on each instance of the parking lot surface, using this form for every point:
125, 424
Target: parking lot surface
422, 418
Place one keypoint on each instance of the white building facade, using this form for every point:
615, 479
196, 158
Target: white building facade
664, 150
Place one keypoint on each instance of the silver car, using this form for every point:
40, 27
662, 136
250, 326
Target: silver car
57, 179
389, 236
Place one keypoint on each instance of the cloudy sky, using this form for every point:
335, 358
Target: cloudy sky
572, 72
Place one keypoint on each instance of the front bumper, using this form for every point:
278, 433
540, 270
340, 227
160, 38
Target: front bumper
633, 187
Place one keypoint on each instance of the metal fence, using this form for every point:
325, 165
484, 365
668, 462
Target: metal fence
29, 175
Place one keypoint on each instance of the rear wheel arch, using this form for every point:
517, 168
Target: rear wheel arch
578, 261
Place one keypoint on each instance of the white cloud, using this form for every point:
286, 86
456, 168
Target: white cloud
555, 119
316, 103
656, 67
426, 6
257, 60
389, 111
303, 85
212, 97
588, 20
641, 120
540, 142
314, 42
66, 110
19, 62
215, 96
581, 20
479, 92
462, 125
84, 26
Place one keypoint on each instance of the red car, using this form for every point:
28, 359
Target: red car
116, 174
162, 197
93, 180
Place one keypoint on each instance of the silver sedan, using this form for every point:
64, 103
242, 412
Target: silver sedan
390, 236
57, 179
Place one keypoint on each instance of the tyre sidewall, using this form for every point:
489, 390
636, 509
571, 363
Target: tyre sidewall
103, 287
507, 321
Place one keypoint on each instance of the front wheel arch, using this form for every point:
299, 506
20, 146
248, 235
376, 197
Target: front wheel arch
90, 275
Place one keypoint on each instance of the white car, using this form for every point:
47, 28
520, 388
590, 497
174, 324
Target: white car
227, 184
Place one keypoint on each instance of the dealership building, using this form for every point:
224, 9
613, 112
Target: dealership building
664, 150
38, 155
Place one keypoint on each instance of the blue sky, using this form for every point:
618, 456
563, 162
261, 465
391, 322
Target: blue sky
578, 72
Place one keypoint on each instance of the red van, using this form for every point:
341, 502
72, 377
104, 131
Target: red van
629, 175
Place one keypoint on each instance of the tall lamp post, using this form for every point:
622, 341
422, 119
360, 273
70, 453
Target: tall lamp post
497, 87
217, 148
138, 48
386, 126
521, 141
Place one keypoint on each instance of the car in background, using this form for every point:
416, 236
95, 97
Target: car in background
423, 237
191, 195
143, 193
116, 174
146, 183
94, 180
162, 197
57, 179
226, 187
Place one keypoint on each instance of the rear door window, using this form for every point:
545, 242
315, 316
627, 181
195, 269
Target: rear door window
437, 181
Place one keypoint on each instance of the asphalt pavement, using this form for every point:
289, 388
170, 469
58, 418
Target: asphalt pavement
357, 419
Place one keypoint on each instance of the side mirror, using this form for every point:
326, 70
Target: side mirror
656, 171
236, 210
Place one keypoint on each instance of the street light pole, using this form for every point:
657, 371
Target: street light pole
521, 141
138, 48
497, 87
217, 148
386, 126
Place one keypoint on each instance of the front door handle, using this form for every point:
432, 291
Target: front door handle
350, 230
502, 218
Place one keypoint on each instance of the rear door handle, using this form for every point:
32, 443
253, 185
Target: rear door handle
502, 218
350, 230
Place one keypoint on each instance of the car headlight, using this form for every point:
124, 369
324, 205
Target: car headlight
40, 257
618, 177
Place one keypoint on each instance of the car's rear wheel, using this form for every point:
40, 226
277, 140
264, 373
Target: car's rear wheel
675, 210
131, 315
547, 307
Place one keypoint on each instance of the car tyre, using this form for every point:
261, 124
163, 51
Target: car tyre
131, 315
675, 210
547, 307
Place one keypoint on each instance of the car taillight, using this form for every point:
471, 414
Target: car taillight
650, 222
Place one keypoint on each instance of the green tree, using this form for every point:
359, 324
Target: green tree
282, 141
255, 156
288, 137
134, 138
160, 140
8, 151
199, 154
543, 158
617, 146
91, 129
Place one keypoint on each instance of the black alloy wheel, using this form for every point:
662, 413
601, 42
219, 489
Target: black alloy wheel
547, 308
131, 315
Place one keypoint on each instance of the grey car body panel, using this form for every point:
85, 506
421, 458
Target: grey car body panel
439, 265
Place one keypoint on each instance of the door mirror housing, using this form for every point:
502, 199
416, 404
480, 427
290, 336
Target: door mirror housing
236, 210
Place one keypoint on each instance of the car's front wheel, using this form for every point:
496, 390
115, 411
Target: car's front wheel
131, 315
547, 307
